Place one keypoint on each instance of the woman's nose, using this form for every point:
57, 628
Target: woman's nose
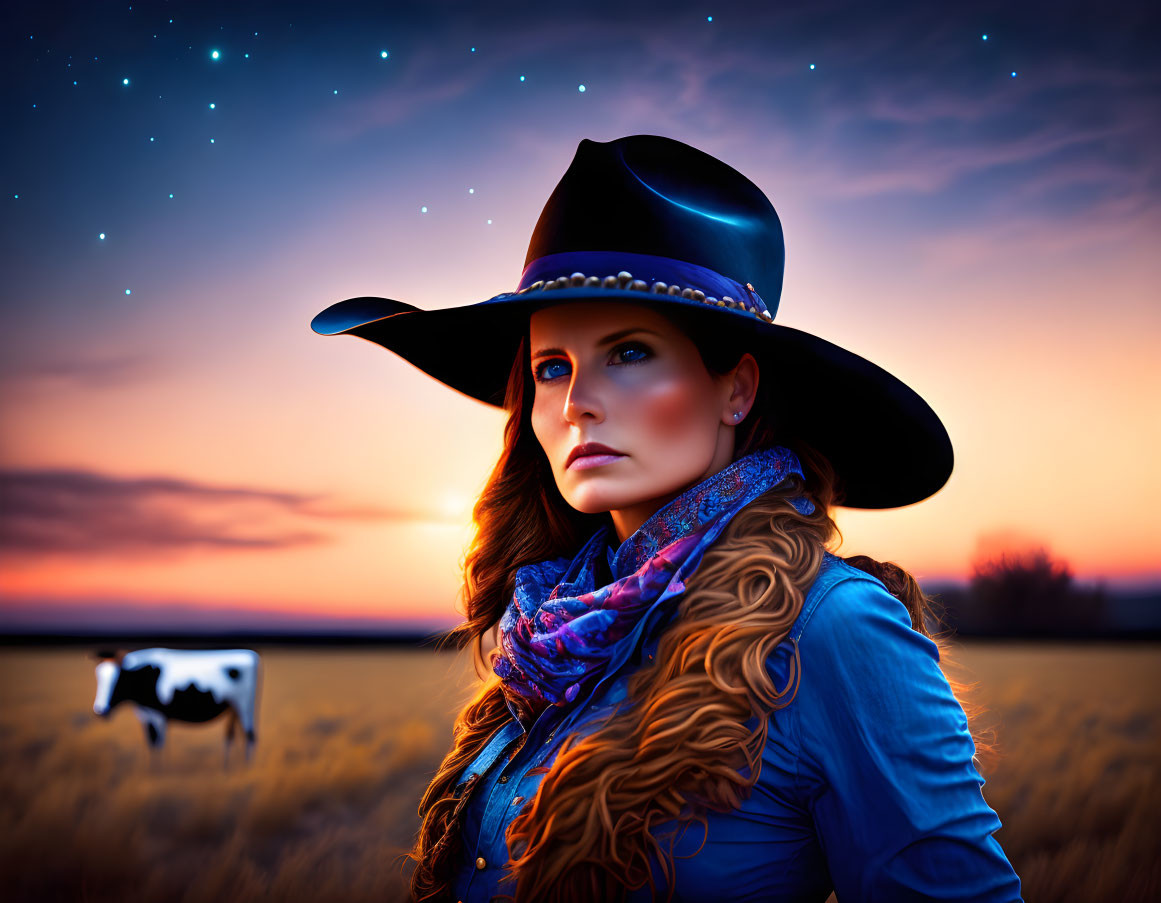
583, 397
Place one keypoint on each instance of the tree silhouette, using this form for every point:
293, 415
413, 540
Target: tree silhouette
1031, 592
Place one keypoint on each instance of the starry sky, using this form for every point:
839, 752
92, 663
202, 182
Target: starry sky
970, 195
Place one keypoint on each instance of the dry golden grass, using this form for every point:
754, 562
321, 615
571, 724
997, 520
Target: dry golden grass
1077, 775
347, 739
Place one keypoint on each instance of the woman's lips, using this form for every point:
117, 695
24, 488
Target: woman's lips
586, 462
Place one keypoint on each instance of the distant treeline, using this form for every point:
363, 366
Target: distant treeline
1024, 595
1031, 594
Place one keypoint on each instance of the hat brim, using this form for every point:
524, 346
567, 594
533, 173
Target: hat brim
887, 445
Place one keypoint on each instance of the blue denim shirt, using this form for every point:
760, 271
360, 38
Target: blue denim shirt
867, 785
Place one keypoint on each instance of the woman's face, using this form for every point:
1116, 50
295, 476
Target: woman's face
625, 376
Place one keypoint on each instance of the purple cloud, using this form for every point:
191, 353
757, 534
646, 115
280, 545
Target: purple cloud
79, 512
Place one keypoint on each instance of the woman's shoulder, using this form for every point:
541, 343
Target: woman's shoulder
850, 619
868, 679
839, 591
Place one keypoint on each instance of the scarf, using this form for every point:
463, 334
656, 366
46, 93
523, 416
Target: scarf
562, 631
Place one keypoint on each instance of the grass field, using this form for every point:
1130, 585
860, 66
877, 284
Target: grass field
347, 739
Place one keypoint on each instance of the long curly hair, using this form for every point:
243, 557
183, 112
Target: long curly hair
685, 745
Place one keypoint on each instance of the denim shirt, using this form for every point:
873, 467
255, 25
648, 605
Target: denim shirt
867, 784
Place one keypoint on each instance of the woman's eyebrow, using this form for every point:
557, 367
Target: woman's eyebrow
611, 337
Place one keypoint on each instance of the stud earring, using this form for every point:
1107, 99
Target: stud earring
737, 414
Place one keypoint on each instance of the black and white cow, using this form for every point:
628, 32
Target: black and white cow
194, 685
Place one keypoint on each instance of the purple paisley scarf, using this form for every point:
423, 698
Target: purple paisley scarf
561, 630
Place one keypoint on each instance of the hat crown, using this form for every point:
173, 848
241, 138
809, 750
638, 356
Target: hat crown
648, 194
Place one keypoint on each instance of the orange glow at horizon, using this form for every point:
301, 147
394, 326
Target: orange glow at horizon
1050, 395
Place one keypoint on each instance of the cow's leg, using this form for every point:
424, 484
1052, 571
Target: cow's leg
249, 743
246, 714
231, 730
154, 724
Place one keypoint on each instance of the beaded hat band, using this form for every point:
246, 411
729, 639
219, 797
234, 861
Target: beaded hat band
681, 278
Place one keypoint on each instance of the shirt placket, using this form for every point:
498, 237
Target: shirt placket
491, 847
498, 813
501, 798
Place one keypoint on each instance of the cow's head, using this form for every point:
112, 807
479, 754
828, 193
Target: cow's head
108, 670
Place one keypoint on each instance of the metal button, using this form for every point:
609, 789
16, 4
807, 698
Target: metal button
480, 863
503, 779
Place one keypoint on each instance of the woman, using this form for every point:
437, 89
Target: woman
692, 698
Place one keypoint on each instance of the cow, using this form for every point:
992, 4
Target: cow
193, 685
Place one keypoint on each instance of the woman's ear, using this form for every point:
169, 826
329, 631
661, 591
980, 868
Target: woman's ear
743, 388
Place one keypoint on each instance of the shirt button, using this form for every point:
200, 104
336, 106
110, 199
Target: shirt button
480, 863
503, 779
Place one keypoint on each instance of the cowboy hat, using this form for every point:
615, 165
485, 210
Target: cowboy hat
654, 221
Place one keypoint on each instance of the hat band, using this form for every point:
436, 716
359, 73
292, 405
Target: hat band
643, 272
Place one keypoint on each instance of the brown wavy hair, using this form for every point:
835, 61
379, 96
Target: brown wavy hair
680, 749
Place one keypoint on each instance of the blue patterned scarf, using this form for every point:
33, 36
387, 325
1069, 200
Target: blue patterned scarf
561, 631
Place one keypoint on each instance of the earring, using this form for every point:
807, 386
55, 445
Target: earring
737, 414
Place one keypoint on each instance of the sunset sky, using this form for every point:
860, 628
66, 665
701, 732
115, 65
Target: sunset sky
188, 184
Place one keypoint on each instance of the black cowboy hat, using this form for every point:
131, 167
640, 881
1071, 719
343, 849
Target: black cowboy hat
652, 220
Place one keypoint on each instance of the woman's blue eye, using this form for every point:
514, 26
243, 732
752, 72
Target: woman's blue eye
636, 352
634, 348
540, 368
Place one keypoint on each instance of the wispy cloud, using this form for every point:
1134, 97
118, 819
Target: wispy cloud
79, 512
1114, 222
930, 141
874, 121
101, 372
419, 90
81, 614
